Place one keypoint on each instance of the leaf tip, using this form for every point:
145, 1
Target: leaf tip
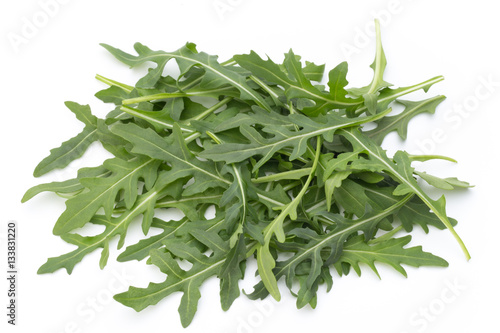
27, 196
38, 172
42, 270
108, 47
59, 229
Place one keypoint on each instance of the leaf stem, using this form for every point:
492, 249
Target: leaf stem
229, 62
291, 185
386, 236
170, 124
292, 174
153, 97
211, 109
266, 88
110, 82
379, 58
165, 123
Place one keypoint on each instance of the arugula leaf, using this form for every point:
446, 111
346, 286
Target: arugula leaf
73, 148
141, 250
68, 187
370, 93
391, 252
415, 212
400, 122
113, 226
103, 191
178, 279
443, 183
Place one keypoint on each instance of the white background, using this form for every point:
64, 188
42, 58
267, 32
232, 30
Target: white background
57, 61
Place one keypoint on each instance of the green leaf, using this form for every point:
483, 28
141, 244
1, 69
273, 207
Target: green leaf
103, 191
73, 148
303, 88
400, 121
69, 151
241, 191
442, 183
113, 95
265, 69
159, 119
337, 81
179, 280
339, 163
273, 197
453, 181
415, 212
351, 196
391, 252
313, 72
70, 186
232, 271
370, 93
332, 183
141, 250
82, 113
67, 186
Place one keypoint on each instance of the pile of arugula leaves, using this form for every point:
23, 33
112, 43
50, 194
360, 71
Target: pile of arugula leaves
264, 162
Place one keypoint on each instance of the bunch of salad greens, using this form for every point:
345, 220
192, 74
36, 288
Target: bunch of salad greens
264, 162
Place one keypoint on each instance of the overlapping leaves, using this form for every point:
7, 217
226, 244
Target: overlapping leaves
271, 165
